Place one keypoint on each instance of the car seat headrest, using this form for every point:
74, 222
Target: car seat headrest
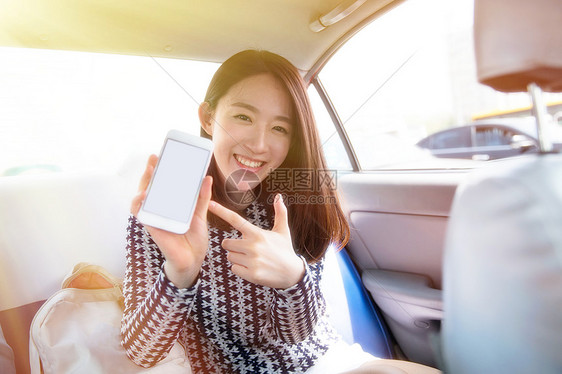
518, 42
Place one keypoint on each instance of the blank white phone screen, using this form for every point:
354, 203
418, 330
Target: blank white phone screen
173, 192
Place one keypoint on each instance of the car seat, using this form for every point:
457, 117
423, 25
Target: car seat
503, 252
44, 233
351, 310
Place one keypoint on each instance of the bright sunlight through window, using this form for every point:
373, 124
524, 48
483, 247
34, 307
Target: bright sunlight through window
74, 111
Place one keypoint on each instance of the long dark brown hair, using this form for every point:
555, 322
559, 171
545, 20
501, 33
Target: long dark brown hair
315, 215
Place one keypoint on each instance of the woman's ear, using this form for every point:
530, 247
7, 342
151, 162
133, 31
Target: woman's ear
206, 118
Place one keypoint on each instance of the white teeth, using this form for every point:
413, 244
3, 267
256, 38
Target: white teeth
248, 163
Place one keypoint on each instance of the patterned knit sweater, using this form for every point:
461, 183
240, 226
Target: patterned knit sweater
225, 323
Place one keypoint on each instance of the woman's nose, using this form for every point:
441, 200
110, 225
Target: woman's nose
257, 140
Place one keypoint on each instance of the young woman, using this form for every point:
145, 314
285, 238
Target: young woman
241, 289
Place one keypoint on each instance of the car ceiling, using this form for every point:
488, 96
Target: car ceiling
208, 30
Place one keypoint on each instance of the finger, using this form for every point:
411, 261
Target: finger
235, 220
236, 258
204, 197
137, 202
281, 224
148, 171
236, 245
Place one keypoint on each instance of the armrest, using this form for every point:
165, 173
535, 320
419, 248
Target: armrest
412, 309
410, 291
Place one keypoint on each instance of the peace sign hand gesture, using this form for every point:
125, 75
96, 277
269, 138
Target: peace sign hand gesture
263, 257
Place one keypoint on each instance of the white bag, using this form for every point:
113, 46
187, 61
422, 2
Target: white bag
77, 330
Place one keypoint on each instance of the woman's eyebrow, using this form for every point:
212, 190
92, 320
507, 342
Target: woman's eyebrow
246, 106
252, 108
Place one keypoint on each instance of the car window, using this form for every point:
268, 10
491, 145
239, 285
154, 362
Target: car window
393, 86
74, 111
490, 136
334, 151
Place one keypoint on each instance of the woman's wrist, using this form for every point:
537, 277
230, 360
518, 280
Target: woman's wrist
180, 279
299, 272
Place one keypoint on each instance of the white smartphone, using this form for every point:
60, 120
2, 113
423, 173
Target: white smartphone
174, 187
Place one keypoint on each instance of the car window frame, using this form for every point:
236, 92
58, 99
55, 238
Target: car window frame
337, 122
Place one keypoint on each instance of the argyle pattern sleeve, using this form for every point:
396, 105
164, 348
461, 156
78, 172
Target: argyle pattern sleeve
295, 310
154, 307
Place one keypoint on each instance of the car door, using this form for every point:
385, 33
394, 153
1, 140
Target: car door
398, 220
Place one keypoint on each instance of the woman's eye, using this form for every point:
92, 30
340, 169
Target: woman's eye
242, 117
281, 129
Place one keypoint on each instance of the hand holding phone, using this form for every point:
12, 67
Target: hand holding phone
173, 190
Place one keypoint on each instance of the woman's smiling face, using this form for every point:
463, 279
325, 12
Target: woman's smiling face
251, 126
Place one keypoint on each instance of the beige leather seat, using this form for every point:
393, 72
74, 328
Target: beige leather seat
503, 256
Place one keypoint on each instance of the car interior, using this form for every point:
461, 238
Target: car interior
457, 267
